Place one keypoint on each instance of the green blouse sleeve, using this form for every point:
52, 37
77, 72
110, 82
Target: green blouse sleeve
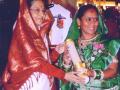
111, 50
113, 47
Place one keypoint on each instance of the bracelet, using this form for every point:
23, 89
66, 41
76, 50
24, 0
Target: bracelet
67, 66
102, 75
94, 72
98, 74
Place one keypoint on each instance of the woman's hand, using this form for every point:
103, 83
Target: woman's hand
60, 48
75, 77
72, 77
84, 79
90, 73
45, 27
66, 57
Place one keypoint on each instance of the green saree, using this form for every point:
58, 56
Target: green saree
98, 54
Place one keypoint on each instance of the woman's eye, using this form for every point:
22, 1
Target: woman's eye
43, 10
37, 10
89, 19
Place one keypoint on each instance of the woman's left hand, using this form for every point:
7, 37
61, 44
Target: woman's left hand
90, 73
84, 79
60, 48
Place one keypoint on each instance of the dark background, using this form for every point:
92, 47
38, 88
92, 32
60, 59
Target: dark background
8, 13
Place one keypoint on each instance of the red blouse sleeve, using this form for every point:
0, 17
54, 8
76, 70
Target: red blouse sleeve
46, 67
54, 55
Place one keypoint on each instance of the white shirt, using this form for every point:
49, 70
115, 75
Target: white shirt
58, 35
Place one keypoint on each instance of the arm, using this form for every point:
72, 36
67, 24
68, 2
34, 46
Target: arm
110, 72
54, 55
56, 51
51, 70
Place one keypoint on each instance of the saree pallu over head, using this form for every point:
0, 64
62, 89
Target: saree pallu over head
27, 50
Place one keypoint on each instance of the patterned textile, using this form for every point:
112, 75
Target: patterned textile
97, 54
28, 53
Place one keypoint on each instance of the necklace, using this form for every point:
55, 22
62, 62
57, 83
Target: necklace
83, 46
84, 42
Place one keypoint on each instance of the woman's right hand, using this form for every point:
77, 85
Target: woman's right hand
72, 77
76, 77
66, 57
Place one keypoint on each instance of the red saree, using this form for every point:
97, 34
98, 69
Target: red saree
27, 52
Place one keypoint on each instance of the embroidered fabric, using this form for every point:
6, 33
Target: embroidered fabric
34, 82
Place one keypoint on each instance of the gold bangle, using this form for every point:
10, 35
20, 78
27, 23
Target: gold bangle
102, 75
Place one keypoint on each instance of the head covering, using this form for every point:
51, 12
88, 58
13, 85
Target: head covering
112, 45
74, 32
26, 50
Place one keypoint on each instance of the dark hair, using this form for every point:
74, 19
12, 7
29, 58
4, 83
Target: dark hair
29, 3
84, 8
46, 4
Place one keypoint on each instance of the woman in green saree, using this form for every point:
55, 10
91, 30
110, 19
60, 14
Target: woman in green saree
97, 52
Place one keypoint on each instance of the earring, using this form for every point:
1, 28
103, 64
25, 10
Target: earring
78, 27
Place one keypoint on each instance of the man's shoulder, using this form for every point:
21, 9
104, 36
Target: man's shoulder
58, 9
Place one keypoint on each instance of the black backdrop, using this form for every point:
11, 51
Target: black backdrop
8, 13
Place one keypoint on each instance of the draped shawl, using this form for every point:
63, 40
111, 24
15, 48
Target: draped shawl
27, 52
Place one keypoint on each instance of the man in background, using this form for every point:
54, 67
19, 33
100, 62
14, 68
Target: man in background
62, 13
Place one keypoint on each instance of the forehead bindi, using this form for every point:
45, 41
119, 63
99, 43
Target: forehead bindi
92, 11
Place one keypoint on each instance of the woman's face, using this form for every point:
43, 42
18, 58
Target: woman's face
37, 11
89, 22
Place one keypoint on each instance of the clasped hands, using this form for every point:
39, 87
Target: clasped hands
79, 77
82, 74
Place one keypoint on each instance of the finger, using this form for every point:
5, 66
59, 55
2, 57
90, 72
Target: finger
77, 80
76, 73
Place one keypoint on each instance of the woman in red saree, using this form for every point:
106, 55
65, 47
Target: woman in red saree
29, 64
